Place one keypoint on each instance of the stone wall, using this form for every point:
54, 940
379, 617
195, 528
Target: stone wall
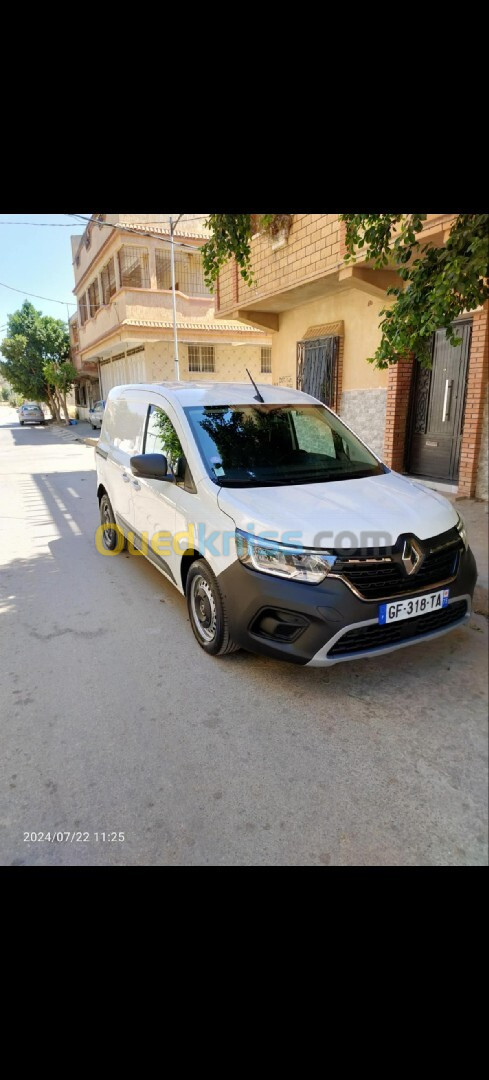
364, 411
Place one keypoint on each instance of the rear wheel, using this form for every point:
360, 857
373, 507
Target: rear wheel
207, 612
21, 422
111, 537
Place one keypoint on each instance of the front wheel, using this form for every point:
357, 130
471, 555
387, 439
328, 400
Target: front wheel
207, 612
112, 538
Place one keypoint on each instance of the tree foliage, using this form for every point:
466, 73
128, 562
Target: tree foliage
36, 364
230, 238
170, 443
439, 283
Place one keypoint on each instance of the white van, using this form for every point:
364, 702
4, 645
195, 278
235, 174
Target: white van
285, 532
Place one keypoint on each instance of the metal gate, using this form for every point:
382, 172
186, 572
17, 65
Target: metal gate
317, 369
123, 368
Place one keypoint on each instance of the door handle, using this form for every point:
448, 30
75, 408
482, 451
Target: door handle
125, 478
447, 401
136, 484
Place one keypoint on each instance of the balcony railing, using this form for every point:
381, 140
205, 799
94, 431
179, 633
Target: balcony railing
189, 275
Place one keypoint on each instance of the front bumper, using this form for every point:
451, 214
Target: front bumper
321, 615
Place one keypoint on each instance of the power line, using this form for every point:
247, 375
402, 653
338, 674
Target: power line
41, 224
65, 303
68, 224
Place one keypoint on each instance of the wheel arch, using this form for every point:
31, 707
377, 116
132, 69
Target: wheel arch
189, 556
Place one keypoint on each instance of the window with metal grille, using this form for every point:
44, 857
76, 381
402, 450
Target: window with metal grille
201, 358
107, 278
134, 267
266, 359
82, 305
93, 298
189, 274
317, 368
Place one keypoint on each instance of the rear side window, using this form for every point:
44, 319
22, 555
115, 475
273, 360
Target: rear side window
161, 438
123, 423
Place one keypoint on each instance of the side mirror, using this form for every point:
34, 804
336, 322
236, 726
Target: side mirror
151, 467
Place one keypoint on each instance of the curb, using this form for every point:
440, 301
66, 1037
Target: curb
87, 439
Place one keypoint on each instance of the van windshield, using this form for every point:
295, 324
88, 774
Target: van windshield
260, 445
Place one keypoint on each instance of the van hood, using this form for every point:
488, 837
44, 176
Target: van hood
368, 512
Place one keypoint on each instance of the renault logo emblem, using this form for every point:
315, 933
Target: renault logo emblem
412, 556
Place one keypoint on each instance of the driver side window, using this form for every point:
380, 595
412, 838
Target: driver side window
161, 438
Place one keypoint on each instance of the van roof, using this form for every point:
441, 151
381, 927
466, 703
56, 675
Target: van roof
220, 393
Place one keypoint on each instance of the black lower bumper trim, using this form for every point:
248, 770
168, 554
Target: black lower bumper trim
364, 638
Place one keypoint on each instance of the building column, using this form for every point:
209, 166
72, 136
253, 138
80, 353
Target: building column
477, 377
397, 412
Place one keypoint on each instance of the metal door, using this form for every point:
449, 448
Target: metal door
438, 408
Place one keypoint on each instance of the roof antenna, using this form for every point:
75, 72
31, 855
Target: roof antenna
257, 396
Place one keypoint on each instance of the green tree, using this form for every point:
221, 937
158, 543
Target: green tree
439, 283
36, 351
60, 379
230, 238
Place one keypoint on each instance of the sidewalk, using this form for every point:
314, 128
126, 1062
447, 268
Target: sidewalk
82, 431
475, 514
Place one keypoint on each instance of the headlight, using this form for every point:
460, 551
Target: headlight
462, 531
269, 557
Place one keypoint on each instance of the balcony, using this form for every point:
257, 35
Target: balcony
140, 307
308, 266
285, 276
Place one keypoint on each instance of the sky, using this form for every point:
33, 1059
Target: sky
37, 259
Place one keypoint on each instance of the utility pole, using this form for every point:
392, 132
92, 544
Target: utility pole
173, 226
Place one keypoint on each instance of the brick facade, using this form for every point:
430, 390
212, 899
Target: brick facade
397, 412
312, 249
474, 403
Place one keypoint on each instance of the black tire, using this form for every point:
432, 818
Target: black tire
21, 422
207, 612
93, 426
111, 538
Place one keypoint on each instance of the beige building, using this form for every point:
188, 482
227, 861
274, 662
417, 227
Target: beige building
324, 317
123, 329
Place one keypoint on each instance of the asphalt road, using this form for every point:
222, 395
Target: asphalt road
114, 721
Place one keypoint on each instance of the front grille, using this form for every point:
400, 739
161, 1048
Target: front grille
376, 636
375, 580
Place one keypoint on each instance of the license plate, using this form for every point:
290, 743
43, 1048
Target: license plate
409, 609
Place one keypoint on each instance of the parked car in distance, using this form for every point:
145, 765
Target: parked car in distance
31, 413
285, 532
96, 414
